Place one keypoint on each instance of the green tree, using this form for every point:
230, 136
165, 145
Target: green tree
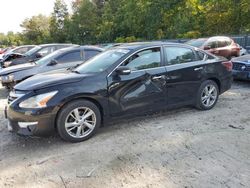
58, 22
36, 29
84, 22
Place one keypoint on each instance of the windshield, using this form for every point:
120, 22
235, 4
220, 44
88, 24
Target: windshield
102, 61
196, 43
48, 58
33, 50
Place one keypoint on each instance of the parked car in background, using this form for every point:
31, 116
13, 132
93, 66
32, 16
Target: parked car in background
22, 49
60, 59
241, 67
4, 51
1, 50
9, 57
219, 45
36, 53
122, 81
109, 45
243, 51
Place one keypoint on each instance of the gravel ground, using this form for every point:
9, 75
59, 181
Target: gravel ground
178, 148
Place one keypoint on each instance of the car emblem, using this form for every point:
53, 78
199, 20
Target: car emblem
243, 67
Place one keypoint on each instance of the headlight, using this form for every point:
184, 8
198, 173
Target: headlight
38, 101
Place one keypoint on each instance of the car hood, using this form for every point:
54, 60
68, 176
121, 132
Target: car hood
244, 58
16, 68
47, 80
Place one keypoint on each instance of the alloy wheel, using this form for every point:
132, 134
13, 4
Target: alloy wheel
80, 122
209, 95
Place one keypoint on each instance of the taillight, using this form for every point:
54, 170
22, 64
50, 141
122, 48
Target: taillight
228, 65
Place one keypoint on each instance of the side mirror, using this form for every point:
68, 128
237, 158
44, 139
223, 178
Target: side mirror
52, 62
38, 55
207, 47
122, 70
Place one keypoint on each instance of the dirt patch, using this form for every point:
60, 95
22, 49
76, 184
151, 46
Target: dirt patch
178, 148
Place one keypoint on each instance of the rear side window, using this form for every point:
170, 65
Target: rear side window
178, 55
145, 59
70, 57
90, 53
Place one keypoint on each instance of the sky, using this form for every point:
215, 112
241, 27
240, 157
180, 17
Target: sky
13, 12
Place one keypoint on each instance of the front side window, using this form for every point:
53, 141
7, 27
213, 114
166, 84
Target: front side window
70, 57
178, 55
102, 61
47, 50
150, 58
90, 53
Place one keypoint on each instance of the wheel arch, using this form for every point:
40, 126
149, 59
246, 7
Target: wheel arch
217, 81
82, 97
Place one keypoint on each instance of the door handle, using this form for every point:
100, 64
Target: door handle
197, 69
157, 77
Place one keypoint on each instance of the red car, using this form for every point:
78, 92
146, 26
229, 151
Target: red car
219, 45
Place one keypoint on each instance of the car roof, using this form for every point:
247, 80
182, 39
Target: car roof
67, 49
55, 44
138, 45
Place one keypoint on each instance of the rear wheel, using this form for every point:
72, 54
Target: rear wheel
78, 121
208, 95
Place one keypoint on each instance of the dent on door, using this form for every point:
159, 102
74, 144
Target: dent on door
132, 91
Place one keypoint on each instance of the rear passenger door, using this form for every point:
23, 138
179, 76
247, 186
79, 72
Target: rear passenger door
184, 73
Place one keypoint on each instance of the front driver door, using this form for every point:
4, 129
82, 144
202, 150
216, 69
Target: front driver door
143, 89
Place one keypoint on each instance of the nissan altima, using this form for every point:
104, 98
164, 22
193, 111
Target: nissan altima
122, 81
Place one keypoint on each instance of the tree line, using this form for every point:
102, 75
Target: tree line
104, 21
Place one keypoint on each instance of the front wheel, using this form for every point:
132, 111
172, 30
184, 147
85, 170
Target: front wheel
208, 95
78, 121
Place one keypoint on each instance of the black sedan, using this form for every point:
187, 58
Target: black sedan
122, 81
36, 53
60, 59
241, 67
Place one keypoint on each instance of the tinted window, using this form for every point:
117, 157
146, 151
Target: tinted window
177, 55
200, 55
70, 57
33, 50
102, 61
90, 53
47, 50
145, 59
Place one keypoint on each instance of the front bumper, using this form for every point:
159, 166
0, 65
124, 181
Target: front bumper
241, 75
37, 122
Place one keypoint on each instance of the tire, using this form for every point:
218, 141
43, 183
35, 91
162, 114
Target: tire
78, 128
205, 99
